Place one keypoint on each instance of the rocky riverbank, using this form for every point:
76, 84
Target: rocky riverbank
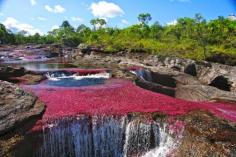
17, 108
181, 78
209, 89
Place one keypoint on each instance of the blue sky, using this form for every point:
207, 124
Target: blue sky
43, 15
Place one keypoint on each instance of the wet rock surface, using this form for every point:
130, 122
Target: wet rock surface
19, 75
16, 106
6, 72
206, 135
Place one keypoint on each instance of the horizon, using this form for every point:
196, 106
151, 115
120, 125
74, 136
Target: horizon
36, 16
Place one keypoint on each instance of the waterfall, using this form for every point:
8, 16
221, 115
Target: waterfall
167, 144
140, 137
143, 74
101, 136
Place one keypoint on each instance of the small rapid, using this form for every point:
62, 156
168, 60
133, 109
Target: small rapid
71, 79
57, 76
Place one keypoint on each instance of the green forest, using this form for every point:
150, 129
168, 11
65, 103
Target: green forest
194, 38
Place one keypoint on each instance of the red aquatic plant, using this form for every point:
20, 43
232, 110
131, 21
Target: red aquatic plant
118, 97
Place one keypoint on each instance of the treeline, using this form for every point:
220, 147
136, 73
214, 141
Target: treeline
193, 38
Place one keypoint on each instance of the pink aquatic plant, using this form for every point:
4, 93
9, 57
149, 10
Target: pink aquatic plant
119, 97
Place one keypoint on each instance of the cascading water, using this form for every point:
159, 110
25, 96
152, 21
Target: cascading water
103, 136
67, 133
70, 79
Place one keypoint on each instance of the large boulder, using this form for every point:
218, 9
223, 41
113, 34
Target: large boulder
16, 106
184, 86
6, 72
204, 93
217, 75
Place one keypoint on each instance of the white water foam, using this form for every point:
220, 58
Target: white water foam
99, 75
108, 136
52, 77
168, 144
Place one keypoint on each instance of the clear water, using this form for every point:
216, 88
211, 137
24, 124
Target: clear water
40, 66
71, 82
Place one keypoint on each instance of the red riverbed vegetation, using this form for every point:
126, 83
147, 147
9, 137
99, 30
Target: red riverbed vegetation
118, 97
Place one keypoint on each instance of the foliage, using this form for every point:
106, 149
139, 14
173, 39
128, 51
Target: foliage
193, 38
144, 18
97, 23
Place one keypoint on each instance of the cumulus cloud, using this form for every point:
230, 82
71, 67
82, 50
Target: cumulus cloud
33, 2
13, 24
174, 22
55, 27
55, 9
75, 18
125, 21
105, 9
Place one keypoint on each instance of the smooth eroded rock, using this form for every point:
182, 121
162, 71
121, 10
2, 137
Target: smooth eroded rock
16, 106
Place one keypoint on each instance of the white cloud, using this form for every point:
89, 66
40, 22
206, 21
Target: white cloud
33, 2
75, 18
41, 18
105, 9
55, 9
174, 22
125, 21
12, 23
55, 27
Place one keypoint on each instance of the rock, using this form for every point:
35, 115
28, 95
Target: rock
221, 82
215, 74
203, 93
6, 72
206, 135
86, 49
56, 48
16, 106
184, 79
167, 75
191, 70
223, 59
181, 86
77, 53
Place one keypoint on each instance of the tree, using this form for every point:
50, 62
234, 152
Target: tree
156, 30
144, 18
93, 22
201, 30
97, 23
81, 28
3, 34
66, 25
102, 22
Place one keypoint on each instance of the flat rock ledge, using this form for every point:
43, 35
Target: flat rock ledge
16, 106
